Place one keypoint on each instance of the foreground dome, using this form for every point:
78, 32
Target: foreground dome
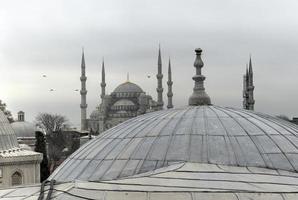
128, 87
197, 134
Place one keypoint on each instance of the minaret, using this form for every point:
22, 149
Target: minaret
245, 84
83, 95
199, 96
103, 81
250, 88
170, 83
159, 77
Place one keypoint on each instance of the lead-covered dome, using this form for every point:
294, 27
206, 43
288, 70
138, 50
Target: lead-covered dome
128, 87
24, 129
198, 134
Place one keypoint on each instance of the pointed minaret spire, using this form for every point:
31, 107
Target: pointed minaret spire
127, 77
103, 81
159, 77
170, 83
199, 96
83, 93
250, 87
245, 84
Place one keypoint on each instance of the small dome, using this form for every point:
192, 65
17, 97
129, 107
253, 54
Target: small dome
197, 134
95, 114
24, 129
128, 87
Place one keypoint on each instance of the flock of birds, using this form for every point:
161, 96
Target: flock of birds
52, 89
76, 90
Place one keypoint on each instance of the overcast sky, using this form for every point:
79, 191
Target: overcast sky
46, 37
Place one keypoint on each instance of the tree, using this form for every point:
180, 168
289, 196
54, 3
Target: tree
51, 122
40, 146
7, 113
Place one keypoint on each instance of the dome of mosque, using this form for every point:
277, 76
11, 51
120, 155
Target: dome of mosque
197, 134
24, 129
95, 114
8, 139
128, 87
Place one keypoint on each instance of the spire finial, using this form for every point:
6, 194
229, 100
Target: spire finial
127, 77
103, 80
199, 96
250, 65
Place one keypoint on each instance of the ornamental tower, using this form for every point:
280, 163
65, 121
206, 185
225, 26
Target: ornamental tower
248, 88
159, 77
170, 83
199, 96
103, 81
83, 93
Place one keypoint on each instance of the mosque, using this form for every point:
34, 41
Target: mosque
200, 151
126, 101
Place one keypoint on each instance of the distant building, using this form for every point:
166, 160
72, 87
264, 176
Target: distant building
17, 166
294, 120
25, 131
128, 100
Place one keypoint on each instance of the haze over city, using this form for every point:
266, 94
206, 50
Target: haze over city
46, 38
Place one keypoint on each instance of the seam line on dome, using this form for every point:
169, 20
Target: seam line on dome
268, 135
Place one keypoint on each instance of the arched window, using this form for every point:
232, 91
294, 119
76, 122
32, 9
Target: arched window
16, 178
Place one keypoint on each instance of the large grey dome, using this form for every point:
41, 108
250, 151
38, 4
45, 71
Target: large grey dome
199, 134
128, 87
24, 129
8, 139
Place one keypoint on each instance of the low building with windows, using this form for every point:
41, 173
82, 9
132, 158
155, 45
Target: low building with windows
17, 166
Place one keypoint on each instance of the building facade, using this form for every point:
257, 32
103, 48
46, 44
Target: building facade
17, 166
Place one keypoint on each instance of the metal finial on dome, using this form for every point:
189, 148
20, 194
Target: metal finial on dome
127, 77
199, 96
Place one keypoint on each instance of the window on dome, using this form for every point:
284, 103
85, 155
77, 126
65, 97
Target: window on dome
16, 178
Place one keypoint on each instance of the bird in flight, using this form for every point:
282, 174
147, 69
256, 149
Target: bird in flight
148, 76
76, 90
51, 90
44, 76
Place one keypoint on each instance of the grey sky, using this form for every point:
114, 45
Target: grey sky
45, 37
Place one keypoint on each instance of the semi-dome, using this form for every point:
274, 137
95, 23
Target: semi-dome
197, 134
128, 87
8, 139
24, 129
124, 102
